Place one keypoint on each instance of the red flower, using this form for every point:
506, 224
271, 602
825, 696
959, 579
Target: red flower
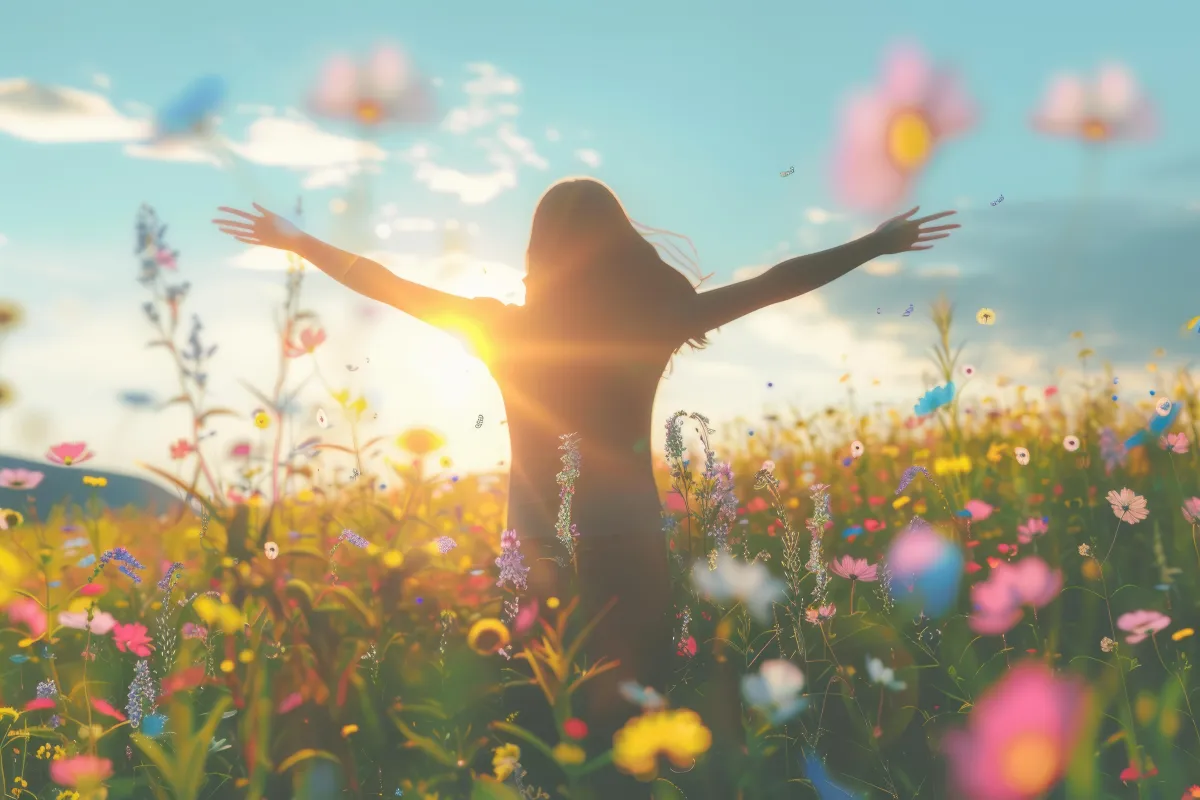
106, 709
91, 590
687, 648
181, 449
184, 679
40, 704
575, 728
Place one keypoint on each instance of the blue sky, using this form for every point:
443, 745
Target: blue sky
692, 110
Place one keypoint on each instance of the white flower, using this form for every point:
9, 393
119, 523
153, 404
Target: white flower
1022, 455
775, 690
1163, 407
968, 370
1071, 443
883, 676
733, 579
856, 449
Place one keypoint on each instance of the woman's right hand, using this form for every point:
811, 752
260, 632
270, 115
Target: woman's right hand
266, 230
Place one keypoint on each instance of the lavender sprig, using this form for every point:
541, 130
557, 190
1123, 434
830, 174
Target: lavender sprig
511, 562
141, 693
125, 561
353, 538
816, 529
907, 477
168, 581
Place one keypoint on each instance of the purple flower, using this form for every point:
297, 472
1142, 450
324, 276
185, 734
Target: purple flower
168, 580
445, 544
353, 538
908, 476
141, 693
127, 563
511, 562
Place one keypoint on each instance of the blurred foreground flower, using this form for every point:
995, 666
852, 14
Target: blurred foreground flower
385, 89
420, 441
678, 735
999, 600
81, 772
925, 569
192, 111
1019, 736
889, 134
1111, 108
734, 579
775, 690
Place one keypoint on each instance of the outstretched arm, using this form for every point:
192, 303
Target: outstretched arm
798, 276
362, 275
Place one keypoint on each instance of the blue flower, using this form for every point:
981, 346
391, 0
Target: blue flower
934, 399
153, 725
192, 108
851, 532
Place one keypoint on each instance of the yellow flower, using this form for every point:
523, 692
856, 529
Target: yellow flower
445, 462
995, 453
392, 559
358, 407
919, 507
9, 711
227, 665
1177, 636
225, 616
679, 735
420, 441
985, 316
890, 450
349, 729
552, 603
246, 656
952, 466
262, 419
94, 480
793, 502
569, 754
504, 759
487, 636
901, 502
10, 518
921, 454
67, 794
11, 572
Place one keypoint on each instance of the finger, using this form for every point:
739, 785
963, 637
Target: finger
909, 213
937, 228
261, 210
246, 240
930, 236
232, 223
932, 217
918, 247
237, 213
237, 234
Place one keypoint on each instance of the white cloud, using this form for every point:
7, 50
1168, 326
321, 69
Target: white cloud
299, 144
522, 147
552, 135
56, 114
882, 267
589, 157
819, 216
413, 225
102, 81
191, 151
471, 188
939, 271
480, 110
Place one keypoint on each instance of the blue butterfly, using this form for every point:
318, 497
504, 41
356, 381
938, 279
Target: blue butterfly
1156, 427
192, 108
934, 399
827, 788
851, 532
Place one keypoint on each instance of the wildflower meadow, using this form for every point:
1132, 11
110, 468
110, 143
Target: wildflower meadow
983, 599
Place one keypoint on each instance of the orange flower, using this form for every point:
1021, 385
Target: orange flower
420, 441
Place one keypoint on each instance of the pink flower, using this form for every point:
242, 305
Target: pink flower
1191, 510
1140, 624
675, 502
91, 590
1128, 507
40, 704
821, 614
132, 638
1000, 599
20, 479
105, 708
1019, 737
1034, 526
979, 510
385, 88
193, 631
181, 449
1110, 109
310, 340
290, 703
28, 611
81, 771
69, 453
102, 622
1174, 442
889, 134
854, 569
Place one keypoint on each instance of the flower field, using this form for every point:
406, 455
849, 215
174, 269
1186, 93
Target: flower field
985, 601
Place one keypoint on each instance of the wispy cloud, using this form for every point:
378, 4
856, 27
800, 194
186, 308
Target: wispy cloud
589, 157
55, 114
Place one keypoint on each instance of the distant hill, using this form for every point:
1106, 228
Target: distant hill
66, 483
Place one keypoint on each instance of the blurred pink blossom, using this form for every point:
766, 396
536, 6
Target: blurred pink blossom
102, 622
1034, 526
1019, 737
20, 479
998, 601
1110, 108
854, 569
384, 89
1127, 506
889, 134
1174, 442
979, 510
1140, 624
27, 611
1191, 510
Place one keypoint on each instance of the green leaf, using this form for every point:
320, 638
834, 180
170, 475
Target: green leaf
304, 755
158, 757
491, 789
350, 601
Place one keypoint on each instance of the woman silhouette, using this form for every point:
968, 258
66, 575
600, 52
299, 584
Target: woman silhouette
603, 315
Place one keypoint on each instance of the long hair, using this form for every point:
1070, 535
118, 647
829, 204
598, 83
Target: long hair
584, 248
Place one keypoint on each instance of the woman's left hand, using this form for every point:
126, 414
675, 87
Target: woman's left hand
903, 234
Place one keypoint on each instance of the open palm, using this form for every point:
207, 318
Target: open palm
266, 229
903, 234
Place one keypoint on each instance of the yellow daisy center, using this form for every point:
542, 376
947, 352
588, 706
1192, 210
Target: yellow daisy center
1094, 130
369, 112
909, 140
1030, 762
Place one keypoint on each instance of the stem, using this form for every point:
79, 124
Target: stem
1178, 677
1110, 546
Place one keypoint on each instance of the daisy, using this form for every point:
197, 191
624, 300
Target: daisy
1110, 108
